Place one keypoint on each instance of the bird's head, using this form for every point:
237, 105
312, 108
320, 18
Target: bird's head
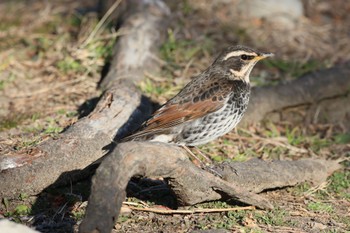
239, 61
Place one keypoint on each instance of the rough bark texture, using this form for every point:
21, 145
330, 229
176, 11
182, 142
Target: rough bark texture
145, 22
82, 144
122, 107
310, 90
191, 184
257, 175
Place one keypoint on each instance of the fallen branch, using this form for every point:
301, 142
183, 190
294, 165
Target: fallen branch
122, 107
120, 110
194, 211
309, 89
190, 184
257, 175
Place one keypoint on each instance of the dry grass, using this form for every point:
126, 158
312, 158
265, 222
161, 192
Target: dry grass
50, 67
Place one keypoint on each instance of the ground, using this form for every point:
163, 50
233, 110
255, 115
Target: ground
49, 73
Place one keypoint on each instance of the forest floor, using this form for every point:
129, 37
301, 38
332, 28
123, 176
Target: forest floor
50, 68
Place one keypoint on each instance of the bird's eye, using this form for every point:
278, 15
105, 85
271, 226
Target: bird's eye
245, 57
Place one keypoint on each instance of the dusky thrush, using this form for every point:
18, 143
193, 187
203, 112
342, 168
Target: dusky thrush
209, 106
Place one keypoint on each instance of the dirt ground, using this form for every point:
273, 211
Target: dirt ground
50, 67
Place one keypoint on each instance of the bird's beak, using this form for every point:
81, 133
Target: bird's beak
263, 56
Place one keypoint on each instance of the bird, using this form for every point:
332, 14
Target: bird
209, 106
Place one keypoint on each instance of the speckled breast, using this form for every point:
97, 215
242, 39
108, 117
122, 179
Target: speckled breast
217, 123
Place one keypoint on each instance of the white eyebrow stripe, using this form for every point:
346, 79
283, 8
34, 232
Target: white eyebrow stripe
238, 53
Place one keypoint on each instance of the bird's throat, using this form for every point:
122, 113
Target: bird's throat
240, 75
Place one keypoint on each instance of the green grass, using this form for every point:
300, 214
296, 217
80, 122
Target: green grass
11, 122
338, 188
123, 218
212, 205
5, 201
75, 20
300, 189
297, 137
78, 214
176, 50
19, 210
2, 85
103, 50
218, 158
69, 64
186, 8
343, 138
224, 220
8, 124
22, 209
66, 113
271, 130
240, 157
150, 88
340, 184
46, 126
320, 207
53, 130
315, 142
9, 79
28, 142
23, 196
52, 127
276, 217
294, 136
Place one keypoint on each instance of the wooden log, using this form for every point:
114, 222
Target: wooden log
62, 159
241, 180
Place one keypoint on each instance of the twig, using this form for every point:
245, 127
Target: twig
184, 73
101, 22
153, 77
193, 155
113, 35
203, 155
160, 211
321, 186
130, 203
280, 229
272, 141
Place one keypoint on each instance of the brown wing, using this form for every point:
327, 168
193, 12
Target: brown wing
187, 106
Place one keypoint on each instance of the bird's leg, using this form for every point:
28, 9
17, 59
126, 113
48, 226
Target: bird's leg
203, 155
194, 156
202, 165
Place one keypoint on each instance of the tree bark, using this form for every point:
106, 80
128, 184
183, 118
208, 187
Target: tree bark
192, 185
120, 110
311, 90
122, 107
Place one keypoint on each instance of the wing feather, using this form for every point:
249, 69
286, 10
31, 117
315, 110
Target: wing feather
177, 111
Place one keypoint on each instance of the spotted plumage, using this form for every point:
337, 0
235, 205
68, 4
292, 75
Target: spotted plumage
211, 105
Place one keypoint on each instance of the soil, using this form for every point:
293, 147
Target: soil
48, 80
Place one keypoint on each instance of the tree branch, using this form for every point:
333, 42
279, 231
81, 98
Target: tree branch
122, 103
191, 184
308, 89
